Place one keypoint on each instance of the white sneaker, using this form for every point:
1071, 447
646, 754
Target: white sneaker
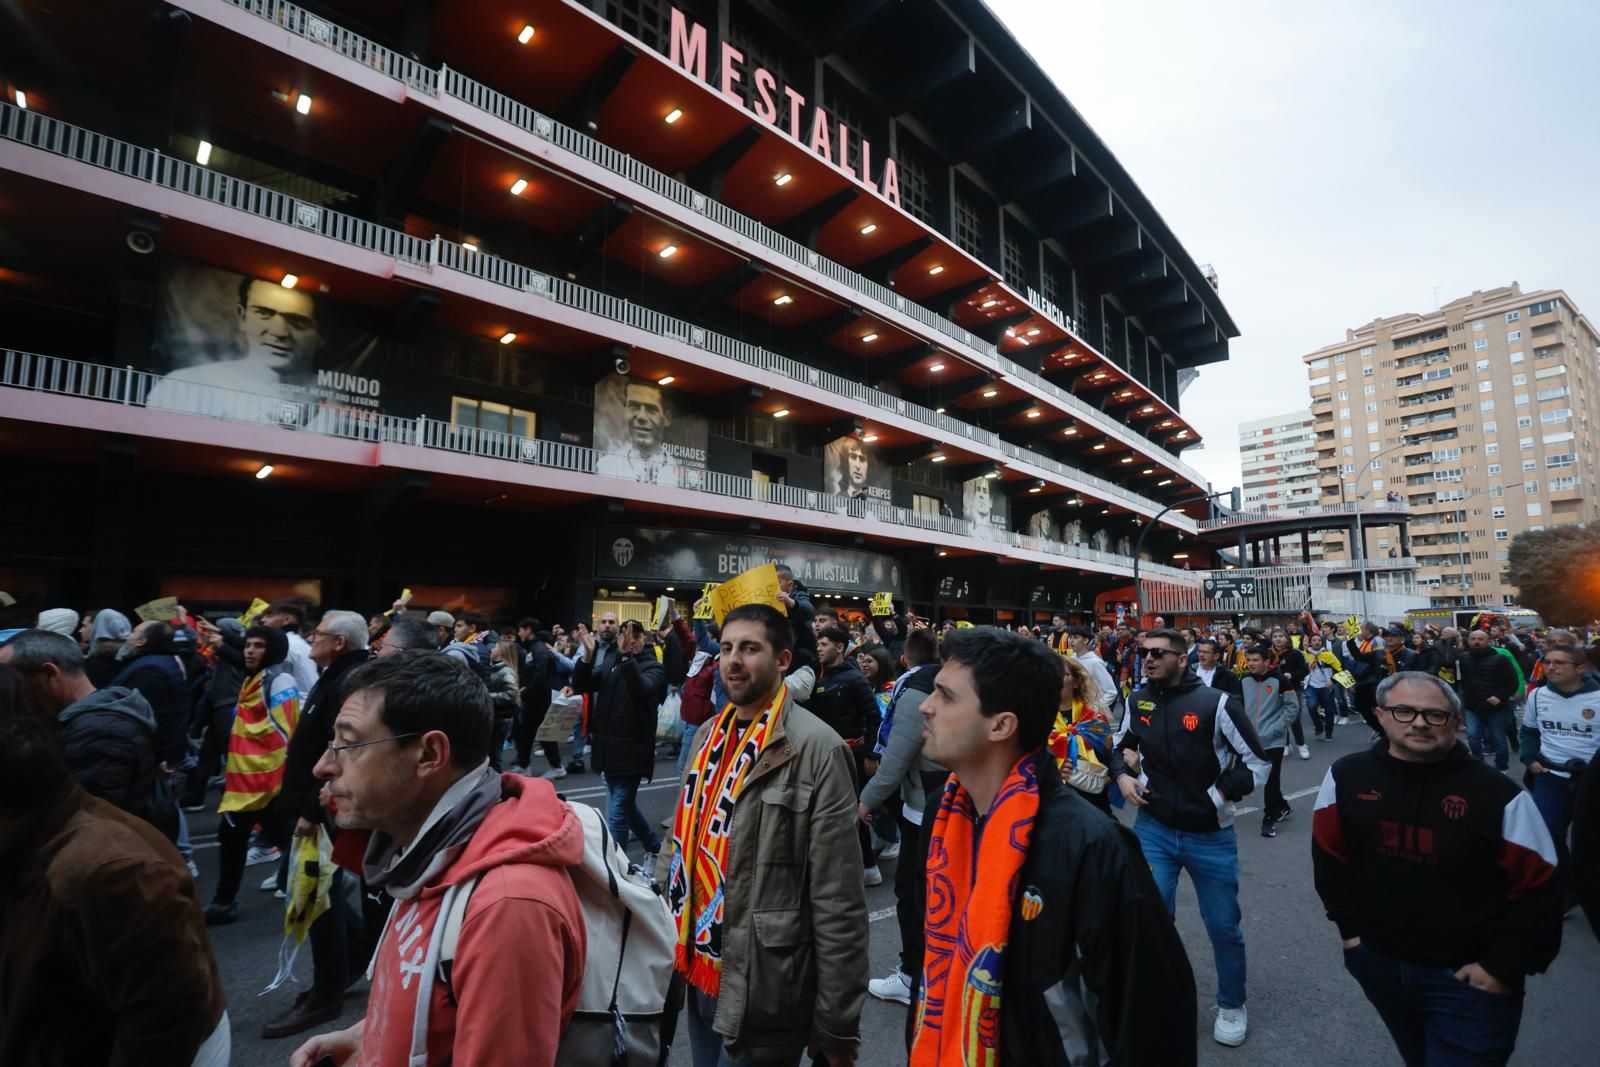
890, 853
1339, 720
896, 987
1305, 753
1231, 1027
269, 883
554, 774
257, 854
871, 875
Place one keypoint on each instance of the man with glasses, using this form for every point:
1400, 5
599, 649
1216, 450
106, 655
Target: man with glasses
1441, 878
406, 635
1184, 754
1560, 732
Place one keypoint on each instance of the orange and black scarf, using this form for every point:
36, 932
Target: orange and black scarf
700, 833
969, 919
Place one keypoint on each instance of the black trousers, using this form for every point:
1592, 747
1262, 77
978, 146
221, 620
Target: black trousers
213, 747
528, 719
914, 855
233, 845
1273, 802
1366, 694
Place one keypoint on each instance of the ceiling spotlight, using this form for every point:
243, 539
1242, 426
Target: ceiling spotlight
938, 459
784, 299
202, 155
1034, 332
290, 281
868, 228
631, 588
992, 474
668, 252
1147, 409
468, 246
22, 102
523, 38
1127, 459
263, 471
938, 411
1070, 431
507, 337
1105, 511
302, 104
990, 393
1036, 489
987, 304
1148, 470
668, 380
942, 552
1100, 447
871, 437
1099, 376
673, 116
1165, 481
672, 588
781, 413
1180, 555
783, 179
869, 338
936, 368
518, 186
935, 270
1034, 414
1076, 502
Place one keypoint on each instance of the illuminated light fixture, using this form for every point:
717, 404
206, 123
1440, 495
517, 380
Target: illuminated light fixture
1181, 433
1100, 447
1148, 470
936, 368
1147, 409
468, 246
290, 281
1034, 414
1011, 333
631, 588
507, 337
1076, 502
868, 338
871, 437
938, 411
1180, 555
302, 103
202, 155
523, 38
938, 459
784, 299
935, 270
264, 470
1099, 376
868, 228
990, 393
783, 179
1070, 431
1036, 489
672, 589
1164, 481
518, 186
667, 380
668, 252
22, 102
673, 116
1127, 459
992, 474
1034, 332
1105, 511
987, 304
942, 552
781, 413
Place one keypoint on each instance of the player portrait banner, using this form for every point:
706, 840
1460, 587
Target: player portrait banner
684, 557
985, 506
643, 432
236, 346
1042, 524
850, 469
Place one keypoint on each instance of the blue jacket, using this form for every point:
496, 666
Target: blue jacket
159, 677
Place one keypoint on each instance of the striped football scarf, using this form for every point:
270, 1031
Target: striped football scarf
262, 725
700, 833
969, 920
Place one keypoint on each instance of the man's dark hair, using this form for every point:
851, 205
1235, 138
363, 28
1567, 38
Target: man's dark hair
1011, 673
785, 572
631, 626
921, 648
431, 691
531, 623
413, 635
837, 634
32, 649
158, 634
32, 765
1216, 649
475, 619
1169, 634
832, 613
1081, 631
290, 606
1264, 651
780, 635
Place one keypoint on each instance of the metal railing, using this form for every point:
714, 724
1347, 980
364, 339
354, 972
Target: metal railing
53, 135
448, 82
1276, 591
134, 388
1239, 518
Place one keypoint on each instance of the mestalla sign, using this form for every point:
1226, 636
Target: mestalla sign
688, 557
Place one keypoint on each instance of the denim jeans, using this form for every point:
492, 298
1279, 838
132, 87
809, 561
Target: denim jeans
1487, 730
1212, 860
1321, 704
685, 744
705, 1044
623, 814
1553, 796
1435, 1018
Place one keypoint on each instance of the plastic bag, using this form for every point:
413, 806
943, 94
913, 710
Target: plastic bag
310, 884
668, 723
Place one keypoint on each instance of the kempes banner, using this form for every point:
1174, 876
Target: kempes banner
644, 433
234, 346
849, 469
985, 505
689, 556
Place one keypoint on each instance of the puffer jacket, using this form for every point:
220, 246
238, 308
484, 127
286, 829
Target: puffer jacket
843, 699
1481, 675
503, 690
159, 675
109, 737
628, 691
794, 934
1266, 707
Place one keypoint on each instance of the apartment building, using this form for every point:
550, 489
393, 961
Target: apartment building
1278, 466
1480, 416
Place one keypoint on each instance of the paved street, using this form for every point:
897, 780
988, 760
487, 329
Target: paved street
1303, 1008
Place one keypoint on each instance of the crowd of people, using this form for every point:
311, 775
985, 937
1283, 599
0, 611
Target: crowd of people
1038, 790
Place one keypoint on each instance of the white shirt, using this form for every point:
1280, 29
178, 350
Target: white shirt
1205, 674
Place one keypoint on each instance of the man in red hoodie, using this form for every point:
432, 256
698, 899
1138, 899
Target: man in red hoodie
409, 761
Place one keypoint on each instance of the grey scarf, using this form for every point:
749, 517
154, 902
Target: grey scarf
449, 826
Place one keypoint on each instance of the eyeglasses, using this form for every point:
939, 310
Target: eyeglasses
1432, 716
336, 750
1157, 653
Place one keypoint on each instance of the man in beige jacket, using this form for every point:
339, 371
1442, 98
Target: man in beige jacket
765, 877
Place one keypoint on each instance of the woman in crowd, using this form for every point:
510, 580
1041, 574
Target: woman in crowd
505, 691
1081, 740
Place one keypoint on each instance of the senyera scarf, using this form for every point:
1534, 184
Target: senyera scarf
969, 919
700, 833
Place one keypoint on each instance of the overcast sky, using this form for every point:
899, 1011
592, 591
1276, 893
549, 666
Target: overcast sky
1340, 162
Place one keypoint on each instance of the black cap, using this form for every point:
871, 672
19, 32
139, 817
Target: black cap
1394, 629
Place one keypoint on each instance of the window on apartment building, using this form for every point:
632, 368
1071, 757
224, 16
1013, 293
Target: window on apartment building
1513, 316
1492, 448
1502, 535
1513, 336
1485, 405
1344, 413
1531, 487
1341, 377
1525, 443
1320, 364
1338, 358
1365, 352
1521, 400
1524, 421
1550, 418
1369, 390
1346, 431
1480, 344
1564, 482
1497, 491
1491, 427
1535, 509
484, 415
1376, 465
1557, 393
1517, 356
1497, 513
1503, 554
1377, 484
1372, 409
1485, 386
1372, 427
1373, 446
1561, 459
1349, 450
1483, 366
1477, 326
1519, 379
1494, 470
1529, 466
1344, 394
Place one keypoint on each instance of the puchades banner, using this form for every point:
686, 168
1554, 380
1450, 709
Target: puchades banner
644, 433
850, 469
687, 557
235, 346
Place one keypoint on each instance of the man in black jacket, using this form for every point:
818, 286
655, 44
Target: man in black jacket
796, 599
338, 647
1210, 669
1186, 752
155, 670
844, 700
1441, 878
1088, 950
538, 677
629, 688
1488, 683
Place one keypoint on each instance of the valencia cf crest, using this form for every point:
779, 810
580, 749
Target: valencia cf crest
1588, 713
1032, 904
1191, 721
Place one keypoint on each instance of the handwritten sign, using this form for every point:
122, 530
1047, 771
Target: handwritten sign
164, 609
702, 607
882, 604
257, 606
758, 585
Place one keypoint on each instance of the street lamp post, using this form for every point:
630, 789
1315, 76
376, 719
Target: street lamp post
1138, 588
1361, 540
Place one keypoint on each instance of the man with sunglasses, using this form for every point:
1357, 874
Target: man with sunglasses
1440, 876
1184, 754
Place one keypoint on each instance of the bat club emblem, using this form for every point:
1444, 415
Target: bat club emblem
1191, 721
1032, 904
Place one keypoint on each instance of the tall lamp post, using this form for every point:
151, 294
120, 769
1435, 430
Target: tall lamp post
1138, 588
1361, 540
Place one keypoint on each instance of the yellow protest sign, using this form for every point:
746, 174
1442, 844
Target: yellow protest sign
702, 606
257, 606
1352, 626
163, 608
403, 602
758, 585
963, 624
882, 604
